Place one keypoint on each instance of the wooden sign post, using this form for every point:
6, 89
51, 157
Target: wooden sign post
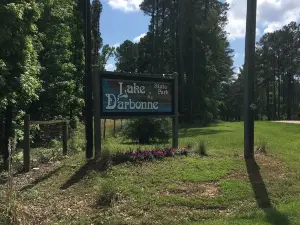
125, 95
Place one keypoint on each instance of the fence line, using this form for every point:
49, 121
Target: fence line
26, 150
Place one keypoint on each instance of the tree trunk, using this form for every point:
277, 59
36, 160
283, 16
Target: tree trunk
192, 101
114, 128
279, 88
2, 130
104, 129
8, 133
268, 101
174, 36
153, 37
162, 49
279, 96
274, 94
156, 38
289, 98
181, 61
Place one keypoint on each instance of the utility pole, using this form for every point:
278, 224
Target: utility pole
249, 79
88, 90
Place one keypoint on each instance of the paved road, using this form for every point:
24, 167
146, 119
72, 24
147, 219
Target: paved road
288, 121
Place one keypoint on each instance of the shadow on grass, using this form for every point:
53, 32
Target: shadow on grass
130, 143
198, 124
40, 179
262, 197
91, 165
137, 144
196, 132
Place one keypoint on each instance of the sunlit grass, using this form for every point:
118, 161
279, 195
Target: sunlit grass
179, 190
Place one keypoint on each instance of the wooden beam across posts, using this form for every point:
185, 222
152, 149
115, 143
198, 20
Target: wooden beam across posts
47, 122
249, 79
26, 153
175, 118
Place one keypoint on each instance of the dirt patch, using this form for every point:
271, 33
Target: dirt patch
270, 168
236, 176
209, 190
34, 176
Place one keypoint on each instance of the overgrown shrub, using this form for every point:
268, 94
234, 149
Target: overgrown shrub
146, 155
12, 210
108, 193
200, 148
262, 146
105, 159
77, 138
147, 130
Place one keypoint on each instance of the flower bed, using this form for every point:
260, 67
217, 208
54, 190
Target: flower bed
143, 155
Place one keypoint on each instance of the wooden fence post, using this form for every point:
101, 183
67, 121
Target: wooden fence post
26, 153
65, 138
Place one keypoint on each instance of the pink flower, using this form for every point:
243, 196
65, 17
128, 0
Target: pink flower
159, 153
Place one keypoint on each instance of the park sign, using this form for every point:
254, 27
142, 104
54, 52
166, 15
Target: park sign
120, 95
124, 95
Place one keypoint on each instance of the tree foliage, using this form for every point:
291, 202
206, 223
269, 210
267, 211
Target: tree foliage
277, 77
19, 65
146, 130
62, 64
187, 38
42, 64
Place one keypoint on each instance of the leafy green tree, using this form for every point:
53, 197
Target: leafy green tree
106, 53
188, 38
96, 9
277, 64
146, 130
126, 57
62, 65
19, 66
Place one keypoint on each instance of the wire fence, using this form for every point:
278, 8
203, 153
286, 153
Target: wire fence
49, 141
111, 127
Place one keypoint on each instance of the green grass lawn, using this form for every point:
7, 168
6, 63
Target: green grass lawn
218, 189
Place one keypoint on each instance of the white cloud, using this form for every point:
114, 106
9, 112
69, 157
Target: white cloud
110, 67
138, 38
271, 15
125, 5
236, 55
116, 45
236, 18
258, 32
236, 70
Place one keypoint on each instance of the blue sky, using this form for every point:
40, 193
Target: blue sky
122, 19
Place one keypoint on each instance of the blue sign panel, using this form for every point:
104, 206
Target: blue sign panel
136, 95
